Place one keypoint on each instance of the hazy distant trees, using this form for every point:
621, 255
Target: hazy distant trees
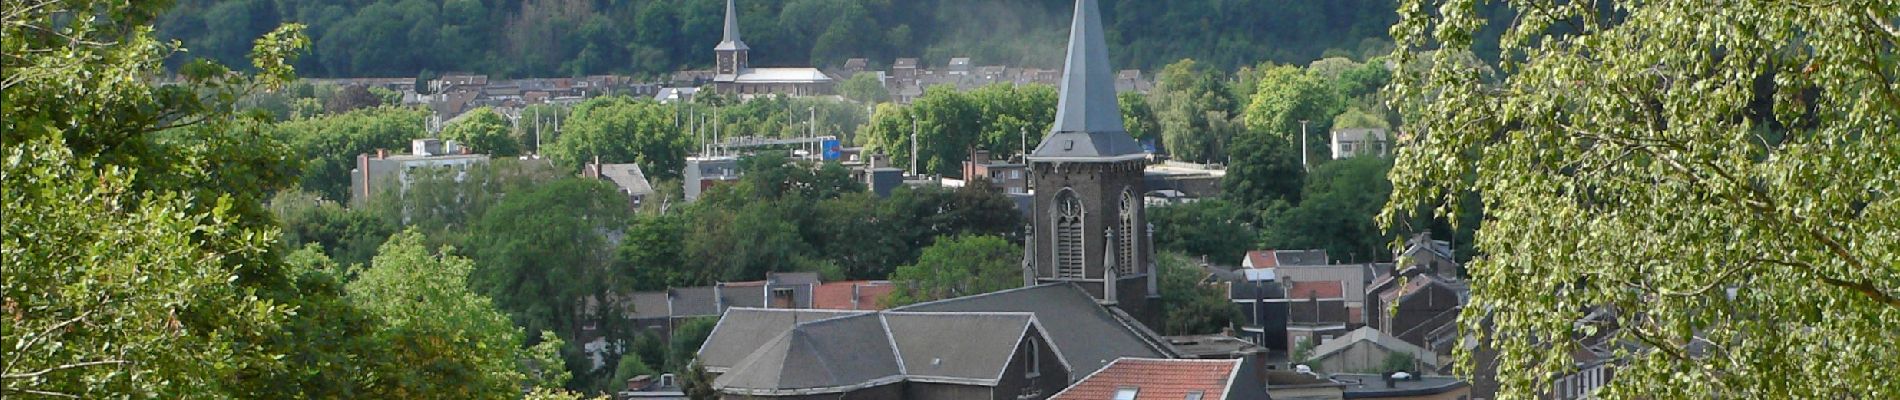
382, 38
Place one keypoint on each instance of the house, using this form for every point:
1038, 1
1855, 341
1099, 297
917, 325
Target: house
1316, 313
626, 177
1142, 378
887, 354
905, 70
703, 173
958, 66
1275, 258
1347, 143
377, 174
1261, 298
1366, 349
1006, 177
854, 66
1402, 386
1130, 80
733, 73
1426, 308
851, 295
675, 95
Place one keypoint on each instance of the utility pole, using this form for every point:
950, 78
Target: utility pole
812, 133
1022, 134
1303, 150
913, 146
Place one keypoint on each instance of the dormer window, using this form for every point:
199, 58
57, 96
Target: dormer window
1126, 393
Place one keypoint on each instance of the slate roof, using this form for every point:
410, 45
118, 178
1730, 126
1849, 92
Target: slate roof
864, 350
651, 305
1089, 334
1088, 121
694, 301
1159, 379
742, 331
731, 40
628, 177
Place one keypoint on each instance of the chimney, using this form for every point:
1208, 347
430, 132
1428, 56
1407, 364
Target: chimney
382, 154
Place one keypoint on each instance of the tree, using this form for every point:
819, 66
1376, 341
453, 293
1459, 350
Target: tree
1188, 306
1215, 228
1724, 192
454, 342
330, 145
1266, 170
1338, 211
1138, 117
1189, 100
621, 130
351, 236
485, 132
865, 88
540, 253
351, 98
1288, 95
138, 252
957, 267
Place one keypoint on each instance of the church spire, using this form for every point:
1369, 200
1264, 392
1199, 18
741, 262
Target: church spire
731, 41
1088, 119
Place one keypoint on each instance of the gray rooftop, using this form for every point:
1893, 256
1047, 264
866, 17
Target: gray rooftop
1088, 334
1088, 119
743, 331
858, 350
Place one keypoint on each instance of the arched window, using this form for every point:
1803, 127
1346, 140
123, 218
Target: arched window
1125, 236
1068, 235
1032, 361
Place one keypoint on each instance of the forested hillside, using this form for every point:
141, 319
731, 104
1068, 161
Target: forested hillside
516, 38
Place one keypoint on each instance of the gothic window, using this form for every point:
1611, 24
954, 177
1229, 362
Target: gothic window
1125, 236
1068, 238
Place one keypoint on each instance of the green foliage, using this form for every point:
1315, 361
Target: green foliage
484, 132
1138, 117
619, 130
1650, 161
330, 145
1194, 109
446, 203
542, 363
540, 252
1287, 95
1266, 170
350, 236
451, 341
1398, 361
653, 38
864, 87
683, 350
949, 124
956, 267
1215, 228
630, 366
1188, 306
1337, 212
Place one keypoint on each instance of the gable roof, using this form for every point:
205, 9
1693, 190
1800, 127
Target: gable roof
873, 349
1088, 121
1158, 379
742, 331
1374, 337
1089, 334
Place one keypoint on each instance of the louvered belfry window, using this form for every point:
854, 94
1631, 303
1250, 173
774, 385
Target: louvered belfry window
1068, 239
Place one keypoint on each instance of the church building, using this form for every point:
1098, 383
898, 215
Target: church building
1089, 227
734, 75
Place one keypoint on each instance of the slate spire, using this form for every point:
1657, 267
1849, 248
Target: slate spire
731, 41
1088, 118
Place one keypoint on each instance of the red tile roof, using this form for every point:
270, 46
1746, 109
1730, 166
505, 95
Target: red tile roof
1262, 259
838, 295
1317, 289
1156, 379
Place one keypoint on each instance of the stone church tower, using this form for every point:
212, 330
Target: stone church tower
730, 54
1088, 224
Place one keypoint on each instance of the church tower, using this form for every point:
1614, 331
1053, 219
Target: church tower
730, 55
1089, 226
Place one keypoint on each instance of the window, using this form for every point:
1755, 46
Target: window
1127, 393
1195, 395
1032, 360
1125, 237
1015, 174
1068, 238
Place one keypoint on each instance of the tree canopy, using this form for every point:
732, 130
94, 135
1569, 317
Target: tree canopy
1715, 183
957, 267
